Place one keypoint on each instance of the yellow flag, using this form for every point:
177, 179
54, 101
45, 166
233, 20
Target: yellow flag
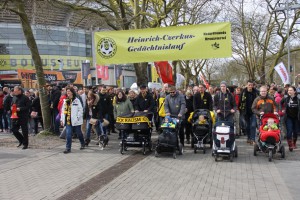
201, 41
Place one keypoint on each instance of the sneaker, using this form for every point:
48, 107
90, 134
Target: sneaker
82, 147
25, 147
67, 151
249, 141
252, 142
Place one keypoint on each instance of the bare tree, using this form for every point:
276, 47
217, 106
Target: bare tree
125, 15
258, 36
18, 7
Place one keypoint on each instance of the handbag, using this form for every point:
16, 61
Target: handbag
34, 114
105, 122
93, 121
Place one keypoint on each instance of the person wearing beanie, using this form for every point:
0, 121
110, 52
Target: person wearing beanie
224, 104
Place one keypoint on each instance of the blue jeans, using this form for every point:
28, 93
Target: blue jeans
55, 122
250, 126
99, 129
106, 116
292, 128
69, 131
8, 115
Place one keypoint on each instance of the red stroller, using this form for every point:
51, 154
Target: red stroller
269, 140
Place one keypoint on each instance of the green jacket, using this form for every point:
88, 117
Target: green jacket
122, 108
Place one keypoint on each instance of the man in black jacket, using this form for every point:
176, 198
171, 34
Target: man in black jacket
144, 101
246, 100
202, 99
23, 105
224, 104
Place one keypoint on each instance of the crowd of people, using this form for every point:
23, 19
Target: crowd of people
77, 112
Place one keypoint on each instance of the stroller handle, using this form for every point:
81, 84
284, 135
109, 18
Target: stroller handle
277, 115
175, 116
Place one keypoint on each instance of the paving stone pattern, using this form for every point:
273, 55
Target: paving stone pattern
50, 174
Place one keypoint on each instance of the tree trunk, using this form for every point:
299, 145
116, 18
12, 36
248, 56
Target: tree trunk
262, 74
141, 73
31, 43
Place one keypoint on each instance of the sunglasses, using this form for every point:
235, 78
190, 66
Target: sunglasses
172, 92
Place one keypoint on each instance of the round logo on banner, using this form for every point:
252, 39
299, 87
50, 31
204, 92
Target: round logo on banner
106, 47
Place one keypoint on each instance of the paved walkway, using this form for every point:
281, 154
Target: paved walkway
49, 174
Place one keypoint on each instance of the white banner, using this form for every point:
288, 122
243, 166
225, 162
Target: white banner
281, 70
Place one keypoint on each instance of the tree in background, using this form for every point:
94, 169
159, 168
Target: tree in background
18, 7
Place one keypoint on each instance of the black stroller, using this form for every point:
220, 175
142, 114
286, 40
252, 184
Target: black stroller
168, 140
201, 131
136, 131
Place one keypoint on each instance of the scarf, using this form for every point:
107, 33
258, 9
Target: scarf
67, 111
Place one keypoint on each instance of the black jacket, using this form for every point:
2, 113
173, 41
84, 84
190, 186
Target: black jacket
224, 102
284, 102
146, 103
96, 111
7, 102
55, 96
189, 106
205, 103
246, 101
105, 104
24, 104
36, 106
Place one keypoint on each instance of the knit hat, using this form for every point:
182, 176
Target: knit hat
223, 83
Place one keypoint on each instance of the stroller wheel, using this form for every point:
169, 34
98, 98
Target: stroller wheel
174, 154
270, 155
150, 146
204, 150
282, 151
156, 153
192, 143
195, 149
144, 148
122, 147
216, 157
236, 152
180, 149
231, 156
255, 149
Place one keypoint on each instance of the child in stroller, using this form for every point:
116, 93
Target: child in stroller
202, 128
168, 137
269, 136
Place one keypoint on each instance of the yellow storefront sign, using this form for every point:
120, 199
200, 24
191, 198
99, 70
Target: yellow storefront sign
14, 62
201, 41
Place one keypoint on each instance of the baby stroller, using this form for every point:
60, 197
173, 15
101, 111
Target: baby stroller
138, 134
168, 140
201, 130
224, 140
269, 140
